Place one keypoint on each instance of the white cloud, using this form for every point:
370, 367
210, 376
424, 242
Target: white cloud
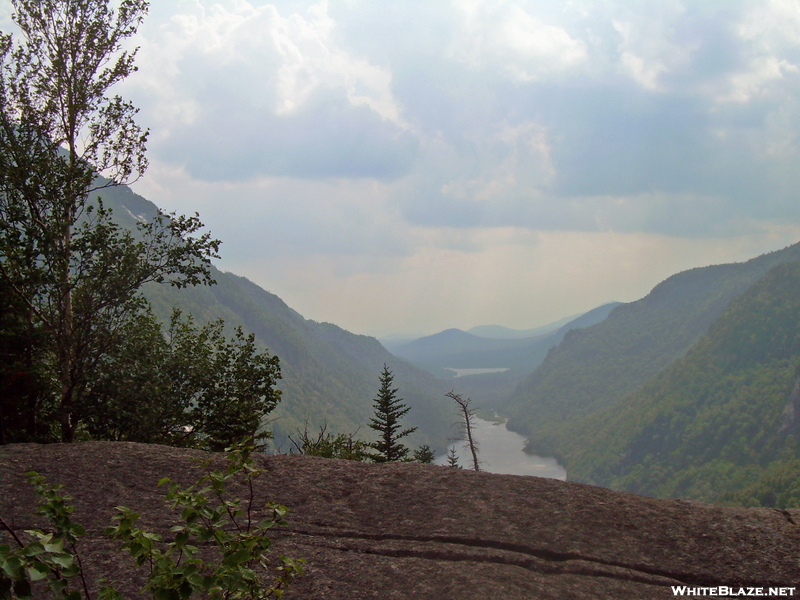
772, 24
408, 166
513, 165
505, 36
754, 81
648, 48
271, 63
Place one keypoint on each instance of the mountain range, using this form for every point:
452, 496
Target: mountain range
691, 391
620, 401
720, 424
456, 349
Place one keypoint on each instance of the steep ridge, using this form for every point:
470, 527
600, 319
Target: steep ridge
406, 530
594, 368
329, 375
722, 422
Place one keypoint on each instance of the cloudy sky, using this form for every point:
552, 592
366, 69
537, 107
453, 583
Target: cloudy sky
414, 166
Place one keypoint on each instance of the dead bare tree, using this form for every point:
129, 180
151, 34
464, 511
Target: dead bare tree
467, 422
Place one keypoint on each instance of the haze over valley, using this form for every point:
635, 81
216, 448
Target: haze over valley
606, 384
352, 299
582, 216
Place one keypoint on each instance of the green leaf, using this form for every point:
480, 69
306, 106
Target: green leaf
109, 593
13, 567
32, 549
237, 557
64, 560
55, 546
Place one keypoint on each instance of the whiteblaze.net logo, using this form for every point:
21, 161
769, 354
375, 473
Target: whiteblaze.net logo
731, 592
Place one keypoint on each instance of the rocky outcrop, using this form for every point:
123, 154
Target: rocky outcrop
419, 531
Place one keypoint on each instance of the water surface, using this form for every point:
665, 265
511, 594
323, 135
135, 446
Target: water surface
501, 451
463, 372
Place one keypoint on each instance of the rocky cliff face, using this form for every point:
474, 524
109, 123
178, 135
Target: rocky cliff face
420, 531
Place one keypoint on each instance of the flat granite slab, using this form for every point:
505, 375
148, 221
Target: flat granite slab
407, 530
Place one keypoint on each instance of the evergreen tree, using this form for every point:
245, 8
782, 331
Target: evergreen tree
452, 458
424, 454
389, 409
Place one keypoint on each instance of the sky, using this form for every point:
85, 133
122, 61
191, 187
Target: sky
408, 167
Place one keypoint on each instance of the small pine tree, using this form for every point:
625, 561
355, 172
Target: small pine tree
424, 454
452, 458
388, 411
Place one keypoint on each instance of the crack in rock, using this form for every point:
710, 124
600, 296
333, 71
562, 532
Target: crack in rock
545, 560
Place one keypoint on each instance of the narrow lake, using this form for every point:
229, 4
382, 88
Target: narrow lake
501, 451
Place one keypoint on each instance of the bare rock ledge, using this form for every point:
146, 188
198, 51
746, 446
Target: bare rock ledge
427, 532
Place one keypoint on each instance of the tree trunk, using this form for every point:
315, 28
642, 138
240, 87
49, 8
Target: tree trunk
468, 428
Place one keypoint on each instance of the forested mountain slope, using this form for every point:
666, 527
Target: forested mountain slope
720, 424
594, 368
329, 375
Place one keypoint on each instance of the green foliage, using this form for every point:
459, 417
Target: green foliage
389, 409
241, 569
27, 395
424, 454
452, 458
50, 558
328, 445
210, 517
193, 388
75, 272
719, 425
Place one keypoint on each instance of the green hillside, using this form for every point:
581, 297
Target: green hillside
719, 425
329, 375
594, 368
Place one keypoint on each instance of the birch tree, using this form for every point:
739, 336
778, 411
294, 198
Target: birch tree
62, 138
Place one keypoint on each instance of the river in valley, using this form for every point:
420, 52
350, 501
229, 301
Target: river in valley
501, 451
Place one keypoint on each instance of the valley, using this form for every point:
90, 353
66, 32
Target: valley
619, 396
689, 392
221, 221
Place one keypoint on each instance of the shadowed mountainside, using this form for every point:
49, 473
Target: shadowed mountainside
719, 424
596, 367
406, 530
329, 375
